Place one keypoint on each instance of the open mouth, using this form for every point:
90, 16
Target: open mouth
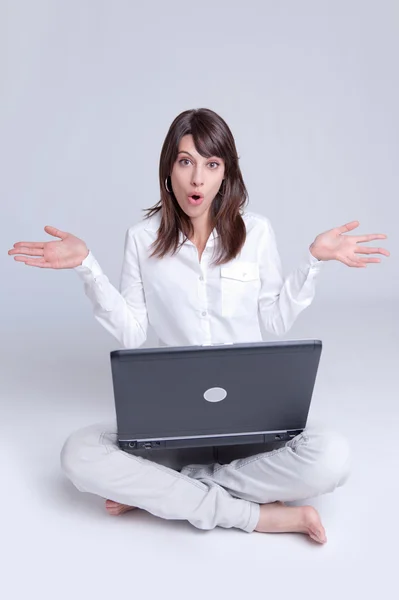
195, 199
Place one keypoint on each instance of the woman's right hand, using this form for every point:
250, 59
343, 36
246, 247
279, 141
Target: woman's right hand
67, 253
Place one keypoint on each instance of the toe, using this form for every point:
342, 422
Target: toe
318, 534
316, 538
314, 525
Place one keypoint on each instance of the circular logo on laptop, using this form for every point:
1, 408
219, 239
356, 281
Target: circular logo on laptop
215, 394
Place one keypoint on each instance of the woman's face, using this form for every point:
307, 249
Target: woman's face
193, 174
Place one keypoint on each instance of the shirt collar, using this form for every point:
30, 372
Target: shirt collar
153, 223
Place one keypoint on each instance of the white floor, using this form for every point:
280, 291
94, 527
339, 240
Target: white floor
60, 543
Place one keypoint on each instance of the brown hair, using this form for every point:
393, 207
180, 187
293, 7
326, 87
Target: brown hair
212, 137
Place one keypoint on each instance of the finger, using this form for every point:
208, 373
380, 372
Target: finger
348, 226
353, 263
55, 232
370, 237
40, 263
368, 250
32, 262
370, 260
30, 244
25, 250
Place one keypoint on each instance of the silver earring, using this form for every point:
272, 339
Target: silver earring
166, 185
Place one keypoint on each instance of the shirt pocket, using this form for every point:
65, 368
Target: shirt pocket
240, 285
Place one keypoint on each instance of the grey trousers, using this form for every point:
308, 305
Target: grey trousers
190, 484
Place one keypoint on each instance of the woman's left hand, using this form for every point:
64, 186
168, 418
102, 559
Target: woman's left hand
333, 245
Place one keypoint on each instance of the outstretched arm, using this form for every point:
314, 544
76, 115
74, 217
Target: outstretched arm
123, 313
282, 300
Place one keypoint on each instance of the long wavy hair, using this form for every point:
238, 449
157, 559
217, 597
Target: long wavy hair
212, 137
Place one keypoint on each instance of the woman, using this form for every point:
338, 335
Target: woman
201, 270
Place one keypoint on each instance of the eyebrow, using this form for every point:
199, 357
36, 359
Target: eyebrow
185, 152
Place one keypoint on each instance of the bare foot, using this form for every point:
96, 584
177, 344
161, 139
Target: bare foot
114, 508
278, 518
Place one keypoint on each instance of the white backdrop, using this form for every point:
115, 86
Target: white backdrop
89, 89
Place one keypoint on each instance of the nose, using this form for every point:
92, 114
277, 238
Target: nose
198, 177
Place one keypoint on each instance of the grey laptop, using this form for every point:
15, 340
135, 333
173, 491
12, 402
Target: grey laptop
179, 397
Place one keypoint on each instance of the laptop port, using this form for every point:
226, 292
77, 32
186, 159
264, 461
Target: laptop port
293, 434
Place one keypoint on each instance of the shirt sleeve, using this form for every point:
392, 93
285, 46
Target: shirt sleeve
281, 301
123, 313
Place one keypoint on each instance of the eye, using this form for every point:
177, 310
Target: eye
214, 163
183, 160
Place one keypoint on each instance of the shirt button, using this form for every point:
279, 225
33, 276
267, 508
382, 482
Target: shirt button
201, 278
203, 313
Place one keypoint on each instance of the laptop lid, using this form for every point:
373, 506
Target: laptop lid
213, 395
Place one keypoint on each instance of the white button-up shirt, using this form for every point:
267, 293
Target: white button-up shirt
189, 302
